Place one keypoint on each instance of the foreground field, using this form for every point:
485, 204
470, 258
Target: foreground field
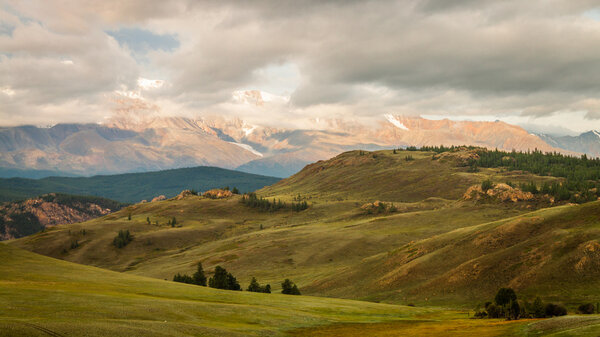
41, 296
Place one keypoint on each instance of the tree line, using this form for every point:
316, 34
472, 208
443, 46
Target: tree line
222, 279
581, 174
266, 205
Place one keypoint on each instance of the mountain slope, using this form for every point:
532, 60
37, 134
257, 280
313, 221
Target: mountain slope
588, 142
134, 187
26, 217
552, 253
87, 149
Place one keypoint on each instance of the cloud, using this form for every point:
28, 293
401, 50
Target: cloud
341, 58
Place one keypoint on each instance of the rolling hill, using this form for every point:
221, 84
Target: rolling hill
40, 296
337, 247
134, 187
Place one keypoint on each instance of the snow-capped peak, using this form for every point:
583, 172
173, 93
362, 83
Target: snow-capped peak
395, 122
596, 133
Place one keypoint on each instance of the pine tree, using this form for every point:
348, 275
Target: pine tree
199, 277
289, 288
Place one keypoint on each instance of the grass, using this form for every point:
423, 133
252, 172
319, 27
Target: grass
314, 247
437, 251
41, 296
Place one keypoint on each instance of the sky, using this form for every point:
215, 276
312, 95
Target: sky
533, 63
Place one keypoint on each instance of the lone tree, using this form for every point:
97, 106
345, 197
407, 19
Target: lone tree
289, 288
223, 280
199, 277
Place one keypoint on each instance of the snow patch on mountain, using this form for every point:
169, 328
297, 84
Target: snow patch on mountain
395, 122
248, 147
248, 130
596, 133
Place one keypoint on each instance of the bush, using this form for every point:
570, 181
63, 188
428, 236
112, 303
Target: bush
493, 311
586, 309
486, 185
289, 288
223, 280
552, 310
122, 239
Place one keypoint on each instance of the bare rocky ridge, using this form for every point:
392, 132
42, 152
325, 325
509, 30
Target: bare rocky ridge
22, 218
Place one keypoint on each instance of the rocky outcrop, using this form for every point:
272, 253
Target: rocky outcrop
217, 194
159, 198
184, 194
501, 192
27, 217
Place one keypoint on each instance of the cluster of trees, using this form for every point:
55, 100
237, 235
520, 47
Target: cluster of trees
254, 286
254, 201
506, 305
581, 174
122, 239
289, 288
225, 280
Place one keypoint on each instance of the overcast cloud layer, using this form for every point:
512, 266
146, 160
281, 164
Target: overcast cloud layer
523, 61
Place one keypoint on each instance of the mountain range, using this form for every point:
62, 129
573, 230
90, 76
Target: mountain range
129, 143
587, 142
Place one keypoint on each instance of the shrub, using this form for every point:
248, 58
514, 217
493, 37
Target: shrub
493, 311
552, 310
586, 309
486, 185
289, 288
223, 280
122, 239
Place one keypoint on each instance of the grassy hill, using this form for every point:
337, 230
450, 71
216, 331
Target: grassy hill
133, 187
41, 296
334, 236
44, 296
